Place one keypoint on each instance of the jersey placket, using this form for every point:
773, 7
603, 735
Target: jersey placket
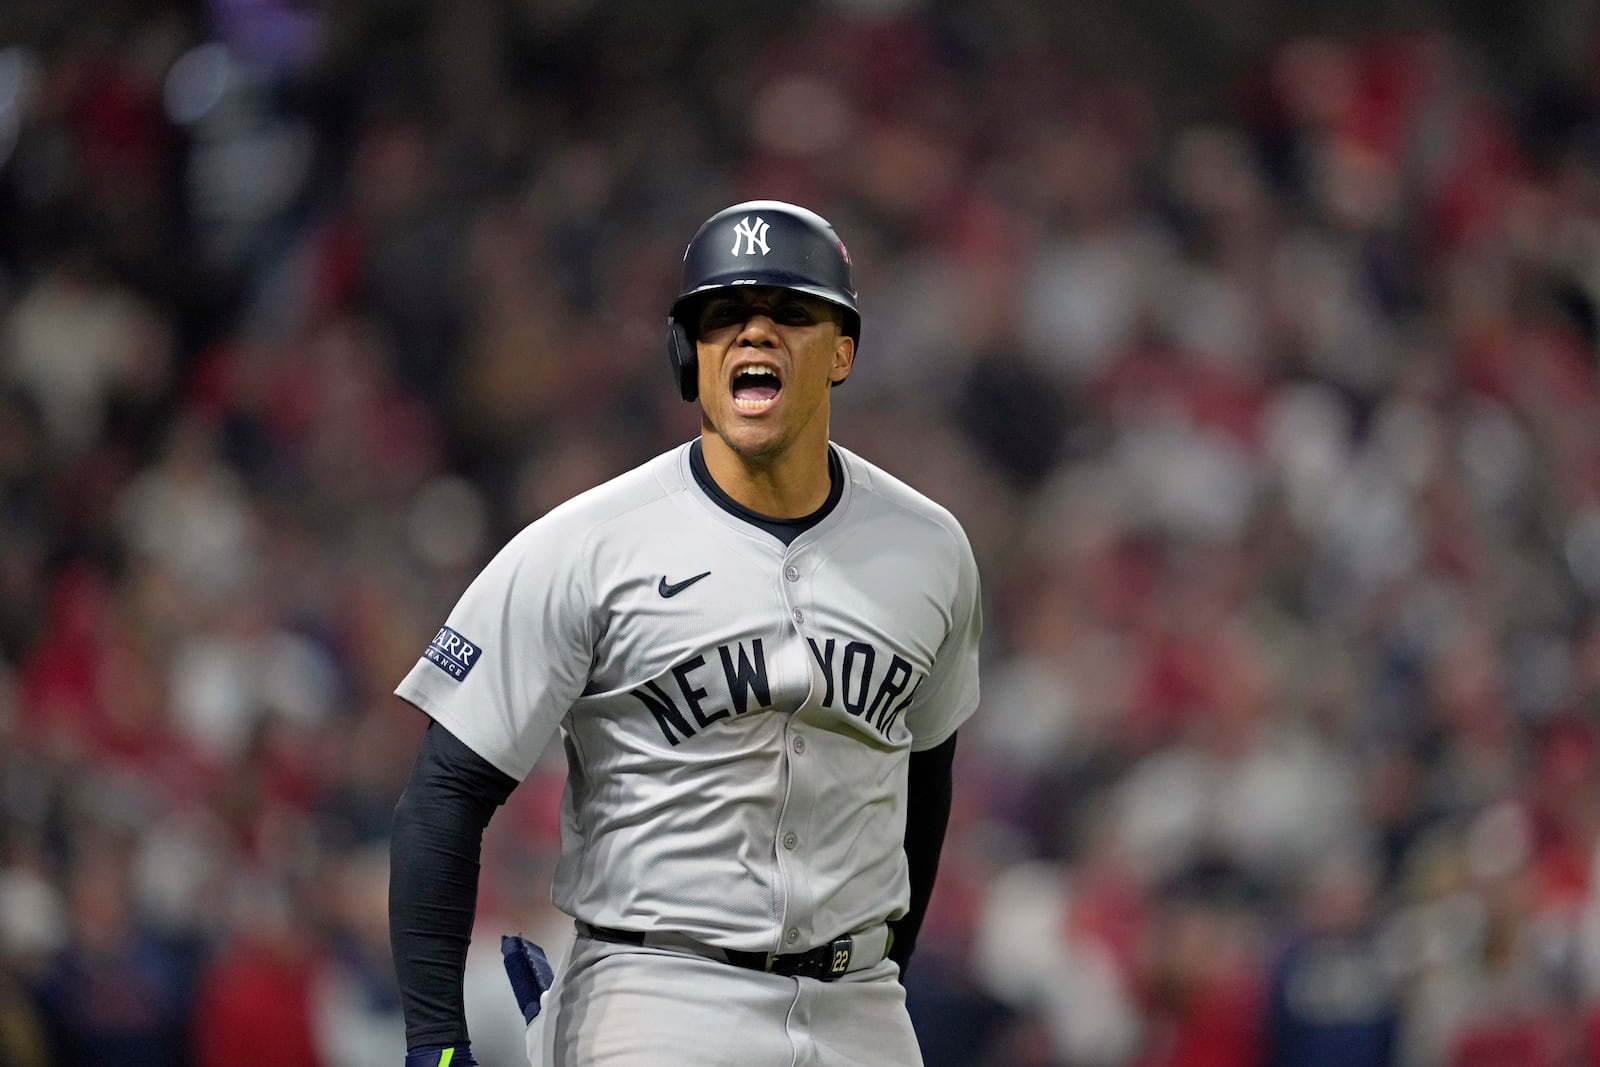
800, 792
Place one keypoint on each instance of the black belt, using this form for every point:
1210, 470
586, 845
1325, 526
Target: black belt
826, 963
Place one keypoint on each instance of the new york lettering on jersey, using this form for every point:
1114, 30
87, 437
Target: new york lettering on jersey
694, 694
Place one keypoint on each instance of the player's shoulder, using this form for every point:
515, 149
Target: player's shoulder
581, 518
897, 497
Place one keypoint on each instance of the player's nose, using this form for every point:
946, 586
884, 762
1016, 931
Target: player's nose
758, 329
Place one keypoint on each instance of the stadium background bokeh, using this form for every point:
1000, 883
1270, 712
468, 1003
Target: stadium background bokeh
1254, 343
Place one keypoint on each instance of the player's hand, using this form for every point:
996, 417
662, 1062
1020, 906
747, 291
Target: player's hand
446, 1056
530, 972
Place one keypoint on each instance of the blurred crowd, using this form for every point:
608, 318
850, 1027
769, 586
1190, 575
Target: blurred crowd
1266, 391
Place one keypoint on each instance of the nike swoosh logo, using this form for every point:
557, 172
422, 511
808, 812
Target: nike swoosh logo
674, 588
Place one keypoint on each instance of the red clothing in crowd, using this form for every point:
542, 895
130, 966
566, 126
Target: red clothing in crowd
254, 1009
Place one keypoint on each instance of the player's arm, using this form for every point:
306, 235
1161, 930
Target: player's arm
950, 695
928, 793
435, 845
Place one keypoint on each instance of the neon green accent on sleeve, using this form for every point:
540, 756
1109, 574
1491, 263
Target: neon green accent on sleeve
888, 944
446, 1056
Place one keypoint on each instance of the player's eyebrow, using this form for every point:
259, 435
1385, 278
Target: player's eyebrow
767, 300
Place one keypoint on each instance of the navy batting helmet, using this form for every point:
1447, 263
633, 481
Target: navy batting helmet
759, 242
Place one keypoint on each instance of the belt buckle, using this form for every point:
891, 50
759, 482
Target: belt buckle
839, 957
824, 963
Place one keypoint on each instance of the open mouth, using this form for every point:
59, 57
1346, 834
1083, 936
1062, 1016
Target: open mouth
755, 388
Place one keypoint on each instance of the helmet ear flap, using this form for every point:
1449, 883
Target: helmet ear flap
685, 361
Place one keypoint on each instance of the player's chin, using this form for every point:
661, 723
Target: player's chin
753, 440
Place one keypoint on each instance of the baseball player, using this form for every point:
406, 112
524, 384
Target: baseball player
756, 649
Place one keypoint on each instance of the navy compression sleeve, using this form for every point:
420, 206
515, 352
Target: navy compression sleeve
434, 849
928, 793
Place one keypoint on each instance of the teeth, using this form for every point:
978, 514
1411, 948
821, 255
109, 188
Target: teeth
755, 369
751, 405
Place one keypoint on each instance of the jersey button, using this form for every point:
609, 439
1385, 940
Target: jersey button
790, 840
799, 616
799, 745
792, 573
791, 936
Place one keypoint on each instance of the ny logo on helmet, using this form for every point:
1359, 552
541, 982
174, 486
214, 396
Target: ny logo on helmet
750, 235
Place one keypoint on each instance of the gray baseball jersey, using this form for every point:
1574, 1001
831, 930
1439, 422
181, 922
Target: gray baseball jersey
737, 714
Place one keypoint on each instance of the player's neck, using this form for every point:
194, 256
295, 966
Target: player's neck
790, 485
